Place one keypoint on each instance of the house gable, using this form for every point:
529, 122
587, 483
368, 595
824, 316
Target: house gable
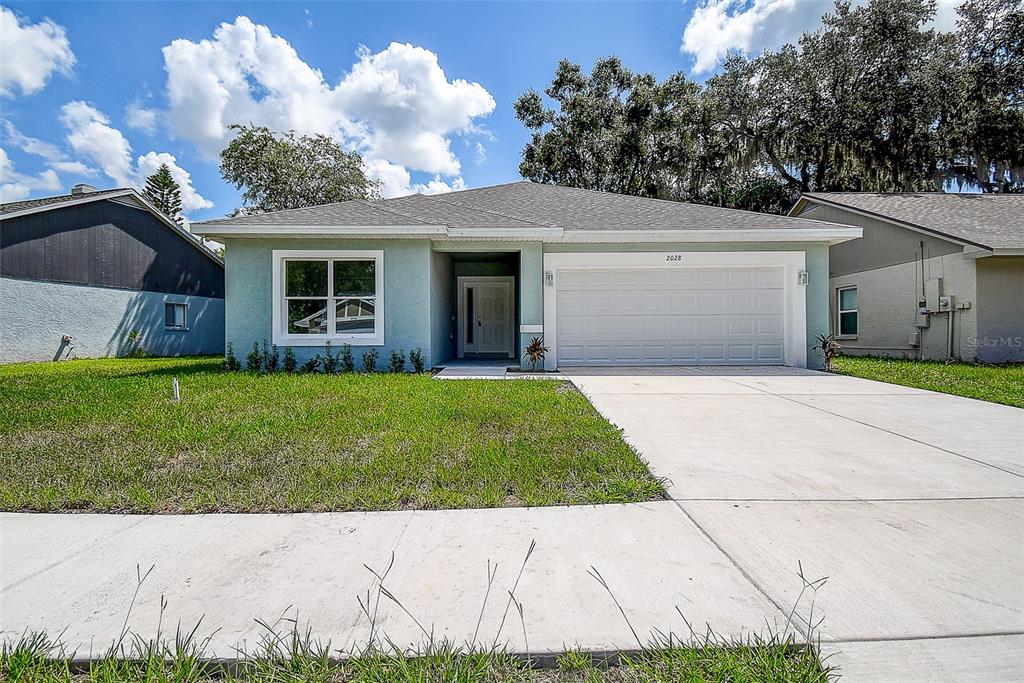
108, 244
882, 244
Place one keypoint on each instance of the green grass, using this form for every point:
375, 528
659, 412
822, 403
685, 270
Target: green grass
35, 659
995, 383
105, 435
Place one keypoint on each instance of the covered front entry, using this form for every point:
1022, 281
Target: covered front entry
475, 304
710, 308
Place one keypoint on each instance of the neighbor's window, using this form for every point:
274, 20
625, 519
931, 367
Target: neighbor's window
847, 300
330, 298
176, 316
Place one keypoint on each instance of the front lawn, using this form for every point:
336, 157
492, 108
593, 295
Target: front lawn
995, 383
105, 435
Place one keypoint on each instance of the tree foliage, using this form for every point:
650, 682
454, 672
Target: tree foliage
287, 171
165, 193
874, 100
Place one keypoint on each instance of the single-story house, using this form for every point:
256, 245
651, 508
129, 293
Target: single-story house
936, 276
102, 273
604, 279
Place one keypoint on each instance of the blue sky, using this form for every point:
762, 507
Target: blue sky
103, 92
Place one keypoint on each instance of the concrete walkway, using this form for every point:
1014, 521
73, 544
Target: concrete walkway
909, 501
912, 503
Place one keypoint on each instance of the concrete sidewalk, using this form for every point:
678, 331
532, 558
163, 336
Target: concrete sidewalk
911, 502
78, 572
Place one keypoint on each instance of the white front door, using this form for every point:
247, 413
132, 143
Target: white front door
486, 315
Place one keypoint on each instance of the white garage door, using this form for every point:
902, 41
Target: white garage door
678, 316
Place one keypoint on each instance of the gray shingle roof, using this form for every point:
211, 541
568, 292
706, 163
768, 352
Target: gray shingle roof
11, 207
527, 205
994, 221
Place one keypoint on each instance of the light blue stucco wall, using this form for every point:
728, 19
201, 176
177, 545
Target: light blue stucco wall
37, 314
419, 300
407, 292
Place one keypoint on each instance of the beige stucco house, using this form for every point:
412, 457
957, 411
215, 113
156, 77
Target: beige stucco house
935, 276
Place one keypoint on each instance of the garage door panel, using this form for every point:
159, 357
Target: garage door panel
670, 316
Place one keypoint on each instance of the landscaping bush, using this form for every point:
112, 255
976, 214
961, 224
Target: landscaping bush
271, 357
231, 363
416, 360
347, 363
370, 360
313, 364
396, 361
330, 359
254, 360
289, 363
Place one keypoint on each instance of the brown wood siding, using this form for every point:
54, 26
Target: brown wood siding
106, 244
883, 244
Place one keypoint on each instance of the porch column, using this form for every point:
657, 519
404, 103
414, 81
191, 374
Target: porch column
531, 296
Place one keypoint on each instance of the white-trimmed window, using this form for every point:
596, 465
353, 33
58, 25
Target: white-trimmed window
847, 316
334, 296
175, 316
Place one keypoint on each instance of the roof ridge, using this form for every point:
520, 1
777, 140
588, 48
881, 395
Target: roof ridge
443, 199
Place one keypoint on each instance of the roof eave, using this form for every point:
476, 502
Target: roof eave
829, 235
215, 231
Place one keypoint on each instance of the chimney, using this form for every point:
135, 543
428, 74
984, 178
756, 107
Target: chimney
82, 188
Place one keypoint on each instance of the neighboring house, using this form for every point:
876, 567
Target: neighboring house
936, 276
605, 279
102, 273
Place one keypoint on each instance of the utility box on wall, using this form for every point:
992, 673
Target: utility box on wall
932, 292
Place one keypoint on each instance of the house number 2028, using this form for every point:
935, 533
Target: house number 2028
673, 257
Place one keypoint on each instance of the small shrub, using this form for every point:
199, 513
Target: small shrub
289, 364
330, 360
396, 361
231, 363
254, 360
370, 360
416, 360
313, 364
348, 364
535, 351
271, 357
134, 345
829, 348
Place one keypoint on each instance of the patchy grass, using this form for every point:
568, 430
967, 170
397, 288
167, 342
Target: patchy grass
35, 659
995, 383
105, 435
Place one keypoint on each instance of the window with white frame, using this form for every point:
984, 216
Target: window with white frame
329, 296
175, 316
846, 300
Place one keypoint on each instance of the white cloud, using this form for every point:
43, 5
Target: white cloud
52, 156
15, 186
396, 106
90, 134
30, 53
717, 26
438, 186
396, 181
140, 117
409, 106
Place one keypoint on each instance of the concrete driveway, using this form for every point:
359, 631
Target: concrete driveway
911, 502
